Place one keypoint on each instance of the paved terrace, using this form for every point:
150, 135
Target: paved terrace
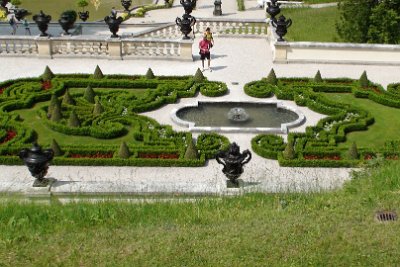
238, 60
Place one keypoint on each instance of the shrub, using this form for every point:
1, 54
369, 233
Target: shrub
56, 113
89, 94
82, 3
71, 14
271, 78
352, 153
150, 74
98, 74
123, 151
67, 99
198, 77
289, 153
364, 80
53, 102
98, 108
318, 78
56, 148
47, 74
191, 151
73, 120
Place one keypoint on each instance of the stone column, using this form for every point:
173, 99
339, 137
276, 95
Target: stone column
44, 47
114, 48
186, 50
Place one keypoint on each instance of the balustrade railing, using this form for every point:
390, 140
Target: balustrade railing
17, 45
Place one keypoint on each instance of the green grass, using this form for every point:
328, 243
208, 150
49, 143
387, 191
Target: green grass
312, 24
292, 229
55, 8
319, 1
386, 126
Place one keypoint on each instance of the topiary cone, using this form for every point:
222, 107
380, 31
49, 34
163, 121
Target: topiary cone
47, 74
89, 94
191, 151
352, 153
364, 82
56, 113
198, 77
67, 99
271, 78
98, 108
289, 153
56, 148
53, 102
124, 151
150, 74
318, 78
73, 120
98, 74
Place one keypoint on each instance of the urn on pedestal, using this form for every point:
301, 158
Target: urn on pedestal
42, 20
281, 26
113, 24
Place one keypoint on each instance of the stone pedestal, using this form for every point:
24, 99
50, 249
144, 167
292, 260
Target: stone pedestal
114, 48
44, 47
186, 50
281, 52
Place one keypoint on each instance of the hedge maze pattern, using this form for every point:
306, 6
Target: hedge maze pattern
104, 107
318, 146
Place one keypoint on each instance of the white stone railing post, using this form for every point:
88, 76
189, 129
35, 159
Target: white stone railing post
44, 47
114, 48
186, 50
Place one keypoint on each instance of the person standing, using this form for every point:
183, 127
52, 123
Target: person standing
209, 36
204, 46
27, 29
13, 24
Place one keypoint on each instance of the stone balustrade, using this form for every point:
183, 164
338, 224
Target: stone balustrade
220, 28
17, 46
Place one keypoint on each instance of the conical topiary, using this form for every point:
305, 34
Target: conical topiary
47, 74
67, 99
318, 78
89, 94
98, 108
150, 74
124, 151
73, 120
288, 153
364, 82
98, 74
56, 113
198, 77
53, 102
191, 151
272, 78
56, 148
352, 153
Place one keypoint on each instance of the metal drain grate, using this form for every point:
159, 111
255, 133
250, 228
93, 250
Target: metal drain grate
386, 216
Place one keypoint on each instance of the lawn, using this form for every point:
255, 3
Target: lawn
313, 229
386, 126
55, 8
312, 24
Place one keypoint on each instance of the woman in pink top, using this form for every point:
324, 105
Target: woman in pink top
204, 47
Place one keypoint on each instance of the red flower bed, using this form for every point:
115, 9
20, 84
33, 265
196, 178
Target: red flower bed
1, 90
368, 157
10, 135
158, 155
392, 157
328, 157
97, 155
46, 85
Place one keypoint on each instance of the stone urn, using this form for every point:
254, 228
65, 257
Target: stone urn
113, 24
67, 20
83, 15
186, 24
20, 13
273, 9
37, 161
188, 5
281, 26
233, 162
217, 8
126, 4
42, 20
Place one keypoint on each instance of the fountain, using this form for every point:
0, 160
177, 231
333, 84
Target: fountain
238, 114
251, 117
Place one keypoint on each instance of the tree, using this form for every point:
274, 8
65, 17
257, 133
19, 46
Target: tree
47, 74
191, 151
318, 78
289, 153
363, 21
98, 108
56, 113
67, 99
98, 74
73, 120
56, 148
53, 102
364, 82
198, 77
352, 153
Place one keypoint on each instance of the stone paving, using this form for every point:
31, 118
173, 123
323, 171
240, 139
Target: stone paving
239, 60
